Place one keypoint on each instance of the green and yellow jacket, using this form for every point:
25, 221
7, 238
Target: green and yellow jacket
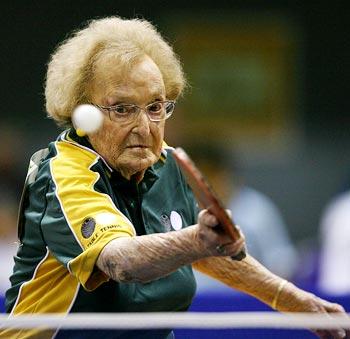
73, 205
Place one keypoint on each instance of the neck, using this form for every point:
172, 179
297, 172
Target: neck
137, 176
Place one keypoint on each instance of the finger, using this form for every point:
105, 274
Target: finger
242, 236
339, 332
238, 247
333, 308
336, 333
231, 249
326, 334
205, 218
229, 213
336, 308
321, 334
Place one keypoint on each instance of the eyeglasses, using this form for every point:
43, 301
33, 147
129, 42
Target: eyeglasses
156, 111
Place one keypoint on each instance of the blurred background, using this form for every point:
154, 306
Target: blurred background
266, 114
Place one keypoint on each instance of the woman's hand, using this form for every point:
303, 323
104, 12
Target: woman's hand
213, 240
293, 299
250, 277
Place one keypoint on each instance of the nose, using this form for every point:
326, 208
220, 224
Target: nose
142, 124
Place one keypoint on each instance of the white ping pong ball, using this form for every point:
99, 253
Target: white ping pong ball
87, 119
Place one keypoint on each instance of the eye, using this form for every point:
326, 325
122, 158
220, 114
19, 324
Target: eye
121, 109
124, 109
155, 107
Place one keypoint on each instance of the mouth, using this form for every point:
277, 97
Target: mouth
137, 146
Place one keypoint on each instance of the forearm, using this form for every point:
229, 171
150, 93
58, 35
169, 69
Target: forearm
149, 257
248, 276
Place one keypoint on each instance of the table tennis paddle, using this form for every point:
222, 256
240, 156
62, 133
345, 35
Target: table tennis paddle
206, 196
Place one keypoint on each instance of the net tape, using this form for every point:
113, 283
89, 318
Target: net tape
200, 320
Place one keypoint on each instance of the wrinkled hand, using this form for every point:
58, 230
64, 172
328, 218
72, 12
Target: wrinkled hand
213, 239
294, 299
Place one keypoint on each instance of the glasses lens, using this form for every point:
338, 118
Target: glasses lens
160, 110
169, 107
122, 112
155, 110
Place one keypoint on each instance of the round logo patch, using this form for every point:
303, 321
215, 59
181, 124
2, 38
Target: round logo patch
88, 227
175, 220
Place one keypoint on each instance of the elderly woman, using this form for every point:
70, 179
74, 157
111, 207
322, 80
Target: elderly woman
108, 223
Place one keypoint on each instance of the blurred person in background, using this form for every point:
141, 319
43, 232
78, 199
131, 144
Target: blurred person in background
8, 242
267, 235
334, 264
11, 181
108, 222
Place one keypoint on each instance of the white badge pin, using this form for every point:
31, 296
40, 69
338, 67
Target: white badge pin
176, 220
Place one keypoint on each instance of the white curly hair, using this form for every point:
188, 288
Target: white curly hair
72, 65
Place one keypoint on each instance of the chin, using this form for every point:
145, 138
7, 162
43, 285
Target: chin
134, 165
144, 163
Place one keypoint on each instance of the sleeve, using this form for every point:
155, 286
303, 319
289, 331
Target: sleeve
79, 221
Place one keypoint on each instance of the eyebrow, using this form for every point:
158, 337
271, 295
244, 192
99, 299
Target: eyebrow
124, 99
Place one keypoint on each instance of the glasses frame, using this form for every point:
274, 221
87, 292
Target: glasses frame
112, 109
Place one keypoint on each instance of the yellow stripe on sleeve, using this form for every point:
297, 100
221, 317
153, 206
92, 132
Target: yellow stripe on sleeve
92, 216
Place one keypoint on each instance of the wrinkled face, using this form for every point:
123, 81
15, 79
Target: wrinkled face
133, 146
